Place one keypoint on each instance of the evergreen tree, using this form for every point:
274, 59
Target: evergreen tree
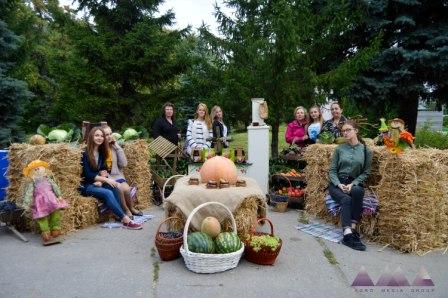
13, 92
413, 62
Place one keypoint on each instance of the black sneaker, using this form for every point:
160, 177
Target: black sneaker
351, 241
358, 240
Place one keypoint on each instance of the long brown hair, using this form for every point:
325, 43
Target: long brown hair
207, 119
103, 149
358, 135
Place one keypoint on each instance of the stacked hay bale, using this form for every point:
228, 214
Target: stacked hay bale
318, 158
137, 172
412, 190
413, 196
65, 164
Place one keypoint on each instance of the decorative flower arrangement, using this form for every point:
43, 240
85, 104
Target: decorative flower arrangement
397, 139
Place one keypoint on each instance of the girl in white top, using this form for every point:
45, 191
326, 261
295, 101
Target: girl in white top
316, 123
199, 130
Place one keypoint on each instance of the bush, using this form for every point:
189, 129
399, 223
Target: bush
426, 137
445, 121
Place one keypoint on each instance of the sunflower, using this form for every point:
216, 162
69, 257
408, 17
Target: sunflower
396, 150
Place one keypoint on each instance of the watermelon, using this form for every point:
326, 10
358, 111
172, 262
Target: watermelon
227, 242
201, 243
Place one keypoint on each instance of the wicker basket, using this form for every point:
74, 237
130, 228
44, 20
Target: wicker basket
265, 256
209, 263
168, 248
175, 177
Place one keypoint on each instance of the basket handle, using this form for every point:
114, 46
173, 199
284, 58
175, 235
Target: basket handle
190, 217
166, 183
284, 177
261, 220
167, 219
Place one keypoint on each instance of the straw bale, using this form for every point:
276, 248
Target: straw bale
64, 160
412, 190
413, 196
245, 216
137, 172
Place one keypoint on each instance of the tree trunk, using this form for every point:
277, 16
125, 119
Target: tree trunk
274, 140
408, 112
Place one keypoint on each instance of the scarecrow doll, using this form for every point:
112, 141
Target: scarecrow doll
43, 198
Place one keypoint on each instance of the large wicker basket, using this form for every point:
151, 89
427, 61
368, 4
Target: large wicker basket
168, 248
265, 256
209, 263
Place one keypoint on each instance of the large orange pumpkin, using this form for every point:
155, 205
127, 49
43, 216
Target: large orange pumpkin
218, 167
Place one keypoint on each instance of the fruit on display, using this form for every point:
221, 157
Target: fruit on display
291, 191
200, 242
227, 242
37, 140
170, 234
294, 173
211, 226
217, 168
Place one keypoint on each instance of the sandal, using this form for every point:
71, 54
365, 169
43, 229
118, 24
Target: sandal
139, 213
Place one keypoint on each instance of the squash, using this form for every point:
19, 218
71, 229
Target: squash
37, 140
217, 168
211, 226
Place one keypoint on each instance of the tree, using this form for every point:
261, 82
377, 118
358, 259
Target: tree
413, 62
13, 92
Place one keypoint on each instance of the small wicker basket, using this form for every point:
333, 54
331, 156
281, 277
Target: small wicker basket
209, 263
168, 248
265, 256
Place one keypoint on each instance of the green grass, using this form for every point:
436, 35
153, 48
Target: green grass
240, 139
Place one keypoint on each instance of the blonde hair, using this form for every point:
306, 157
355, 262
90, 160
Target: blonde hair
207, 120
304, 111
321, 119
213, 112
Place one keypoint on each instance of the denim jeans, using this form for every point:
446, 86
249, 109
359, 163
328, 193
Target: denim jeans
351, 203
110, 196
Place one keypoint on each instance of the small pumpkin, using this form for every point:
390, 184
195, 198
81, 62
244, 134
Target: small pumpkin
37, 140
217, 168
211, 226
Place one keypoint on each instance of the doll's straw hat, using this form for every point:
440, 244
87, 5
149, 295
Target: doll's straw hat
35, 164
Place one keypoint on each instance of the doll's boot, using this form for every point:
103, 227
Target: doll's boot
46, 238
55, 233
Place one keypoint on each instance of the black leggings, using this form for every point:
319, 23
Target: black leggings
351, 203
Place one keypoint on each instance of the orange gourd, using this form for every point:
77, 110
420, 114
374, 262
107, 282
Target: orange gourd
217, 168
37, 140
211, 226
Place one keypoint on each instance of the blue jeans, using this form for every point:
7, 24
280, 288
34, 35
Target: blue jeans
110, 196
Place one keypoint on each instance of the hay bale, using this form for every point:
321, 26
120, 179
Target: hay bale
318, 158
65, 164
137, 172
413, 195
245, 216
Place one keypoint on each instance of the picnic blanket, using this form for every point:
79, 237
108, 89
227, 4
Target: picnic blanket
137, 219
187, 197
322, 230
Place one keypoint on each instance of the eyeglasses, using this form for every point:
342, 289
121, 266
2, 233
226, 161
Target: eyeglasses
347, 130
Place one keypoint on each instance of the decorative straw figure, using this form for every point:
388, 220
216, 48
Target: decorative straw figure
43, 197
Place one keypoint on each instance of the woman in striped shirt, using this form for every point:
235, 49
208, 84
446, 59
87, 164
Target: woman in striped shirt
199, 130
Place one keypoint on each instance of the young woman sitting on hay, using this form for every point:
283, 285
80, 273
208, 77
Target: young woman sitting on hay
349, 169
94, 164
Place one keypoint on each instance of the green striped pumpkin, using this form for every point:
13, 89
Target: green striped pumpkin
227, 242
201, 243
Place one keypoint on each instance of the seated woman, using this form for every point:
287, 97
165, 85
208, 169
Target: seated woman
93, 163
218, 127
165, 126
199, 130
349, 169
315, 125
115, 163
296, 131
336, 122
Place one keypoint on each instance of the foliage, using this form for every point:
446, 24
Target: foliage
411, 64
67, 132
13, 92
425, 137
264, 242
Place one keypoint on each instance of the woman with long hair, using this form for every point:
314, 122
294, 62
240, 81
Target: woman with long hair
94, 165
350, 168
315, 125
199, 130
218, 127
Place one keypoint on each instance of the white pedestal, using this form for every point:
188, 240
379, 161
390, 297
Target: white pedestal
258, 155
